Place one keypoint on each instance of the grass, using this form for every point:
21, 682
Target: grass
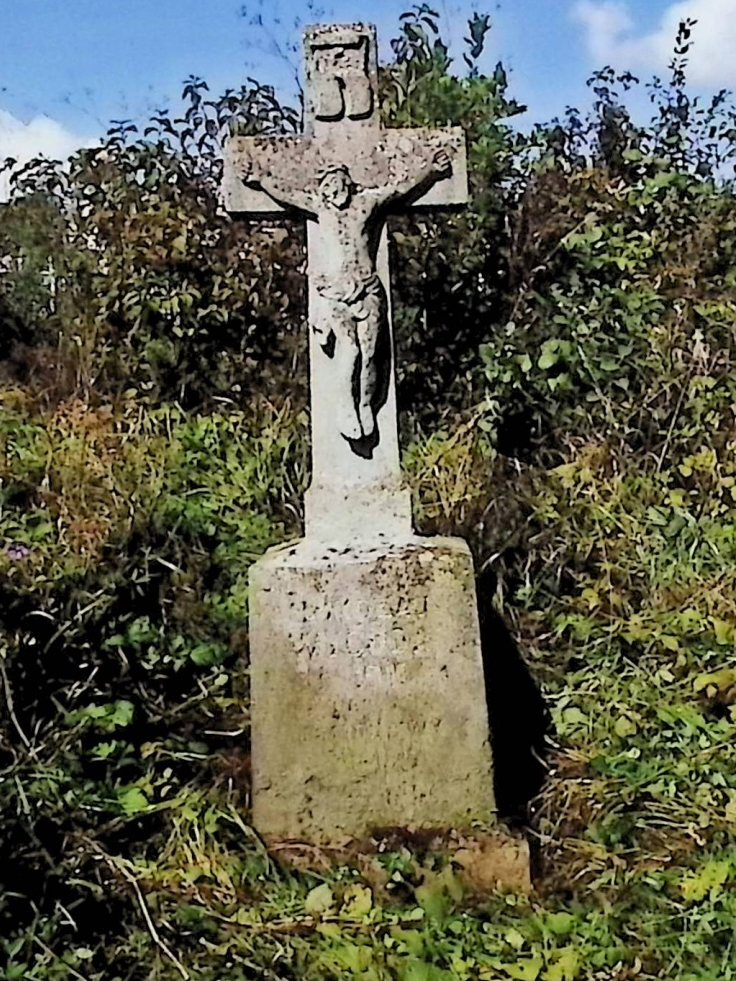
125, 776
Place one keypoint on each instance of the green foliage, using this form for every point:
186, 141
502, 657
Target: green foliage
125, 275
448, 272
567, 344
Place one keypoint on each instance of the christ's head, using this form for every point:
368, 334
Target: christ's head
336, 187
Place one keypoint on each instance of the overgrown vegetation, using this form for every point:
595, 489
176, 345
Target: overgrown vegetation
575, 420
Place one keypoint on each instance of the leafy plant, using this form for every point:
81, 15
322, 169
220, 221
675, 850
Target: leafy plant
573, 419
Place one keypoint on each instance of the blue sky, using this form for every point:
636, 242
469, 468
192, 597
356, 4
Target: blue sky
69, 66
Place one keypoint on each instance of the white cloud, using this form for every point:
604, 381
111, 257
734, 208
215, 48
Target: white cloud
606, 23
42, 136
612, 38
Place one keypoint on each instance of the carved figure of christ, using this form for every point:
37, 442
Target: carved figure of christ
351, 318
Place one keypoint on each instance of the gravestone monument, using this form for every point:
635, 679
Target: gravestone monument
367, 693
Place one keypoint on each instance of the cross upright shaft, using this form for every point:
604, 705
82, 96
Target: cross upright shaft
346, 175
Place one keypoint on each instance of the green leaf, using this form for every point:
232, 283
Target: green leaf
355, 957
357, 901
573, 716
707, 880
547, 360
40, 531
560, 924
433, 900
514, 938
122, 714
205, 655
566, 967
720, 681
15, 972
420, 970
319, 900
624, 727
723, 631
436, 892
526, 969
657, 517
103, 751
132, 800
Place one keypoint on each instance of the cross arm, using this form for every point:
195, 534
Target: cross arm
267, 175
414, 186
424, 167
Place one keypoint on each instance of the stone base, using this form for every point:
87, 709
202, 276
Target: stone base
481, 859
367, 697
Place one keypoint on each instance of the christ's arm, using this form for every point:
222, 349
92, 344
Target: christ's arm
417, 185
285, 195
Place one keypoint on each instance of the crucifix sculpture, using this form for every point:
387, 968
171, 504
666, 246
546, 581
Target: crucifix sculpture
345, 176
367, 704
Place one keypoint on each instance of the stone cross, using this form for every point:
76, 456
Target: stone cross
367, 703
345, 176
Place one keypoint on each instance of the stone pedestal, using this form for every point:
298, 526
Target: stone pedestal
368, 703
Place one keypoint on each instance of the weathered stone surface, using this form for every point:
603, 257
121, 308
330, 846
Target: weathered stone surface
342, 75
367, 697
374, 160
345, 176
368, 705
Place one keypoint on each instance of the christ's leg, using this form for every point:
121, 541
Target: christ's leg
347, 367
334, 328
371, 330
367, 380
